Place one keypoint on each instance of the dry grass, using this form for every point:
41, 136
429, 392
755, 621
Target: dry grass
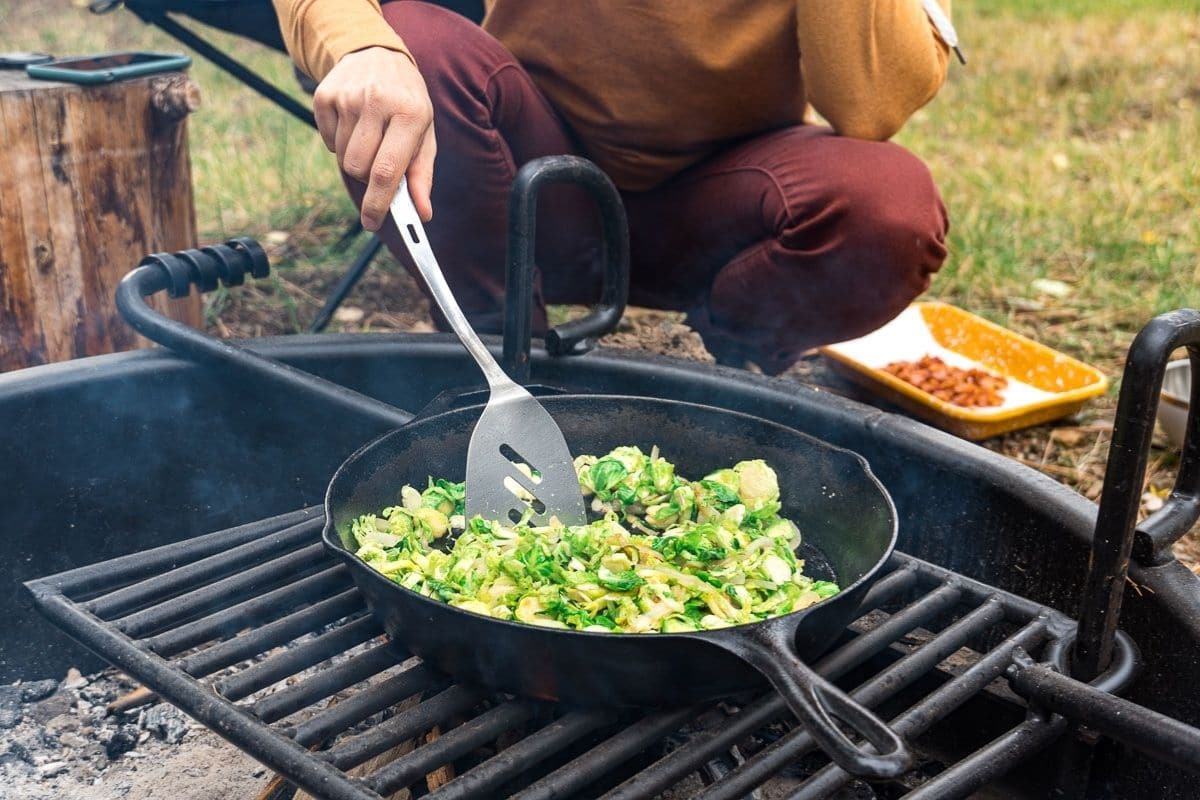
1066, 150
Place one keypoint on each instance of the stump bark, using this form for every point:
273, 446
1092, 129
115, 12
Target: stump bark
91, 180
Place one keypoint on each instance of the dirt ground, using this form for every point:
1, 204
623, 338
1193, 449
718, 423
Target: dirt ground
1073, 450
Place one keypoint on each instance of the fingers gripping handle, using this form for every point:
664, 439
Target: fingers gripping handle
818, 704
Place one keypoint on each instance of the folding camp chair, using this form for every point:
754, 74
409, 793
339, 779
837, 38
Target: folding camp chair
256, 20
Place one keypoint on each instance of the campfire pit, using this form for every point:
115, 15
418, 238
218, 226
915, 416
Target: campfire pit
965, 644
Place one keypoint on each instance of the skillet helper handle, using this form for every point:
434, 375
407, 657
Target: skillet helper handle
576, 336
816, 703
1116, 534
227, 265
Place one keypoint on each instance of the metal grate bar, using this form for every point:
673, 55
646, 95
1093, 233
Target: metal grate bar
107, 576
889, 586
159, 587
327, 682
681, 762
922, 716
871, 694
332, 721
456, 743
272, 580
702, 746
220, 594
1144, 729
992, 760
601, 759
405, 725
311, 653
254, 611
917, 615
483, 780
1018, 609
274, 634
184, 691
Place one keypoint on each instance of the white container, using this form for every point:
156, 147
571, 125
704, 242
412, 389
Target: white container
1173, 402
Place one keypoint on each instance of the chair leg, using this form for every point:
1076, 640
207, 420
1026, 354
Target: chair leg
239, 71
350, 234
346, 284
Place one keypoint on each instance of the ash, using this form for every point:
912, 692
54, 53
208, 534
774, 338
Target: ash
57, 740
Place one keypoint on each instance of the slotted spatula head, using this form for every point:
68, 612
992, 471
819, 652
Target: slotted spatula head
514, 430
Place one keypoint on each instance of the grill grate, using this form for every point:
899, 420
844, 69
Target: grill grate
253, 631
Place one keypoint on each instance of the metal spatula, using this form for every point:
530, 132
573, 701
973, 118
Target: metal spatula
514, 429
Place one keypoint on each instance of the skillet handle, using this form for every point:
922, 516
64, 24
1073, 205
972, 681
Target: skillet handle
816, 703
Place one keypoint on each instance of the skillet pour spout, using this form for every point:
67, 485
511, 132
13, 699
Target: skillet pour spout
848, 529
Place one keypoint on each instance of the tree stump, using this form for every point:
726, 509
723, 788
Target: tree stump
91, 180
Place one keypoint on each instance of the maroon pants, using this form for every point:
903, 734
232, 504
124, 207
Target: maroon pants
780, 243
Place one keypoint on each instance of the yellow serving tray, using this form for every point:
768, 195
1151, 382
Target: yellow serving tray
1044, 384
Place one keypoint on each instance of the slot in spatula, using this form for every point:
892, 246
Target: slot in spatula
514, 429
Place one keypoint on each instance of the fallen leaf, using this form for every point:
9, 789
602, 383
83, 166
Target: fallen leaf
1068, 436
1024, 304
1051, 287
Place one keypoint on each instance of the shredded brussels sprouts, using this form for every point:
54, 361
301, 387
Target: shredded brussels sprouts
666, 555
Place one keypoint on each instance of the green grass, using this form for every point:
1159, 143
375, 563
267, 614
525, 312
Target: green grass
1042, 9
1065, 149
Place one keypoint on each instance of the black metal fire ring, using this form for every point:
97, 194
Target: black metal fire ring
134, 611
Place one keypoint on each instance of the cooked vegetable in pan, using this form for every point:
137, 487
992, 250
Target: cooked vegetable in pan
666, 555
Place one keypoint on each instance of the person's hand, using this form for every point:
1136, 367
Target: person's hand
373, 111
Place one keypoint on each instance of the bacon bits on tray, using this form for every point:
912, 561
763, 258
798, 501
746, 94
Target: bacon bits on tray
970, 388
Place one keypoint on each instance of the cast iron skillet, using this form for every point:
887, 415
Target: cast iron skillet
847, 522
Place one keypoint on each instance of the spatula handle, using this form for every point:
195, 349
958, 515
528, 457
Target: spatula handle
413, 233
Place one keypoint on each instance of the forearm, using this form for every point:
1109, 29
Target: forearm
319, 32
869, 64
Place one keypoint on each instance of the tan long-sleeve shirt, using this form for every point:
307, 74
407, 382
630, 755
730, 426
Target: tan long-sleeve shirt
650, 87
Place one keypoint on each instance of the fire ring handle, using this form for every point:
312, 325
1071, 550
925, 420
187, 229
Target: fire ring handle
1129, 453
579, 335
228, 264
1117, 534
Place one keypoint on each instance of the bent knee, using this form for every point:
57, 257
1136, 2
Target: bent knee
902, 209
883, 218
